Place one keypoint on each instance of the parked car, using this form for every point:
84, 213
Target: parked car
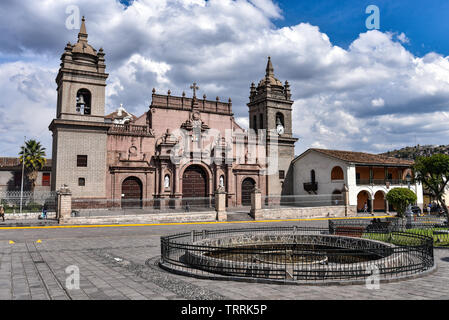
416, 210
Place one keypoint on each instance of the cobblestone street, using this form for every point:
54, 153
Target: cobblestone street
120, 263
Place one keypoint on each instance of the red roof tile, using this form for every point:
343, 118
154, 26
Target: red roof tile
364, 158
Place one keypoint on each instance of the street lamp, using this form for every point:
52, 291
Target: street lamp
408, 178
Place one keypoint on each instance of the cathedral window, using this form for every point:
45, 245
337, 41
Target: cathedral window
81, 182
281, 174
81, 161
261, 121
83, 102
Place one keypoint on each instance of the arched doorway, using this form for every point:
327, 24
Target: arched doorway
247, 187
194, 182
379, 201
132, 193
362, 198
194, 185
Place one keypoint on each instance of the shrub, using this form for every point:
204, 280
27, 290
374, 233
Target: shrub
400, 198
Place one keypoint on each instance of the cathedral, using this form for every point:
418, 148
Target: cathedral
181, 147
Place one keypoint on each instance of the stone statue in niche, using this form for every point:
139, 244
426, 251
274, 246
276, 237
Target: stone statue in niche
221, 183
167, 181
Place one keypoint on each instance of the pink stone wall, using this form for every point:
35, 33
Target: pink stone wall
136, 155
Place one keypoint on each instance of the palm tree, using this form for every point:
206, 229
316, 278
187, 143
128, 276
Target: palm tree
33, 157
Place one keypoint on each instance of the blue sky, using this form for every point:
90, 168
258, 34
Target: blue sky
354, 89
426, 23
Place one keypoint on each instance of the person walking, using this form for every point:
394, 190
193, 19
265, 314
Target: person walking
365, 208
2, 212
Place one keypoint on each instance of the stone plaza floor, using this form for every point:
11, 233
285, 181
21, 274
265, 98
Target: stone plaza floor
120, 263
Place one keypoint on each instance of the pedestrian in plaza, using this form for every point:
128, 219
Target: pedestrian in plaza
44, 211
429, 207
2, 212
365, 208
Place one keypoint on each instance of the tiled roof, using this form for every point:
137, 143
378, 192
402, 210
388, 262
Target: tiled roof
11, 162
364, 158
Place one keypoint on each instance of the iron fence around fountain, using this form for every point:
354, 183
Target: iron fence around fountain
296, 254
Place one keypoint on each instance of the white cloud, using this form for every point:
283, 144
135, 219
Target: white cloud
370, 96
379, 102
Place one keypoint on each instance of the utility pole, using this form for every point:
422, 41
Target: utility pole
23, 170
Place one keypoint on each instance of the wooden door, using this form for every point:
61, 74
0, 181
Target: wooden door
247, 188
132, 193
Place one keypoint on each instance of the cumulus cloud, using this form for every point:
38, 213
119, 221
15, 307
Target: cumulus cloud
372, 96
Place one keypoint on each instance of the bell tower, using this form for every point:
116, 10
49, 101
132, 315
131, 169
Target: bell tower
81, 81
79, 130
270, 110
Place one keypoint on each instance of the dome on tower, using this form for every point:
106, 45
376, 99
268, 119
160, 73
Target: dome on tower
269, 76
82, 46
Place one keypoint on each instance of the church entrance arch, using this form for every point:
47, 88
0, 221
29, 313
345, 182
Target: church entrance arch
132, 193
247, 187
194, 182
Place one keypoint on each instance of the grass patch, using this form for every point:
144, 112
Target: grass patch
439, 240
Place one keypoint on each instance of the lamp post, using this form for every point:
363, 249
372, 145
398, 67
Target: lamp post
408, 178
23, 169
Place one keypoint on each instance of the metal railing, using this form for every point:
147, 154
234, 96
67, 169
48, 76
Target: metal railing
297, 254
382, 181
31, 201
434, 227
106, 207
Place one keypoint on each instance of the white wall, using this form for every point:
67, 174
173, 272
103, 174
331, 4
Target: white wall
322, 165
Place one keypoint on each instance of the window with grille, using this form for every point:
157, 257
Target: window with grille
281, 174
81, 161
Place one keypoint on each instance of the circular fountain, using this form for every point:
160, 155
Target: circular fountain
294, 254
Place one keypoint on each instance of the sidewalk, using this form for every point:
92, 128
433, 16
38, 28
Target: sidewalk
28, 223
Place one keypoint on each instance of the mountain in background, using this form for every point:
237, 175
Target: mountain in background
412, 153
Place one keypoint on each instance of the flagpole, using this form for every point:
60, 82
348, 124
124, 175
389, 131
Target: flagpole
23, 169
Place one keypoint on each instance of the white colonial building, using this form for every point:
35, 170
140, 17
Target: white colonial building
368, 177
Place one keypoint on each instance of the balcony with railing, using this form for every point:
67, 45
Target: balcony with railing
382, 182
130, 129
311, 186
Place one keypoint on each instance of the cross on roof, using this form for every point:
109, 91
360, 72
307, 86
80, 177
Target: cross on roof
194, 87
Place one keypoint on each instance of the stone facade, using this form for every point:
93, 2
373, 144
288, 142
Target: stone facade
181, 147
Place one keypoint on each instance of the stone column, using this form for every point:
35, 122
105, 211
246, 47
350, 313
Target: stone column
345, 194
64, 210
372, 206
256, 204
220, 204
387, 209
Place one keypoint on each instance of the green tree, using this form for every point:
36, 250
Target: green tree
400, 198
32, 154
433, 173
